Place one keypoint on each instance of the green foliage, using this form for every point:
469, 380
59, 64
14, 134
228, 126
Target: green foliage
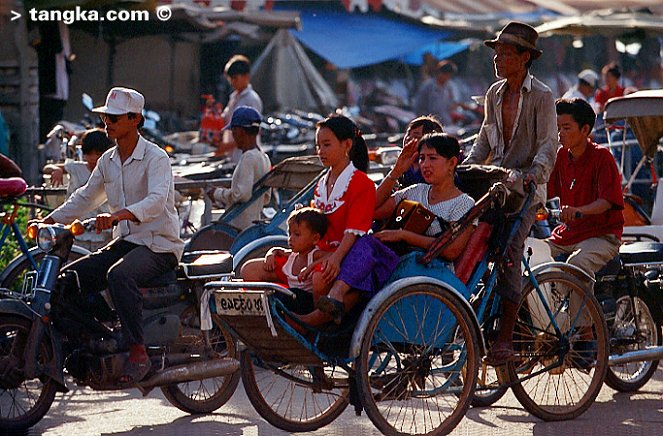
10, 249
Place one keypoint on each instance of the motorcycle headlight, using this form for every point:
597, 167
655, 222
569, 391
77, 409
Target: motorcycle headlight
46, 238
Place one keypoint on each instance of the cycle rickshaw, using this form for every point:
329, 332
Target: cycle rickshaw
411, 356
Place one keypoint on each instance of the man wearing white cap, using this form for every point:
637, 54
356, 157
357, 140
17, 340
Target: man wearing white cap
588, 80
136, 179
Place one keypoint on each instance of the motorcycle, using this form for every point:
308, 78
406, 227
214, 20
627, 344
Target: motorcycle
55, 328
629, 289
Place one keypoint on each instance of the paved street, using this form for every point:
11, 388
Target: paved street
85, 412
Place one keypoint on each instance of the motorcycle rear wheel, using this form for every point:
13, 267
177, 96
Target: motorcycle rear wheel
22, 402
207, 395
631, 376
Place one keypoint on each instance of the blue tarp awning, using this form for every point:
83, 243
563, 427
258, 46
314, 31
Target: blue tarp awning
356, 40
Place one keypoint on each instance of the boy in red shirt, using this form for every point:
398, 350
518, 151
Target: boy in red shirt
587, 181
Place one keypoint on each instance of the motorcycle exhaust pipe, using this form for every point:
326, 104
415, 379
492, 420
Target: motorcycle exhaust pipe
190, 372
652, 353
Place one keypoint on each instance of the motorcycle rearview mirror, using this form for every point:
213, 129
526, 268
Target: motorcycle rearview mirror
87, 101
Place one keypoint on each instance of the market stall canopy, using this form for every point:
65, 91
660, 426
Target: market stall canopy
357, 40
643, 111
604, 22
285, 78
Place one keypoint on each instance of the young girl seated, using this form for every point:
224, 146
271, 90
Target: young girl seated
438, 156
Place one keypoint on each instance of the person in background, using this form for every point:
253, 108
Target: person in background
519, 133
438, 95
588, 81
252, 165
238, 74
611, 88
94, 143
406, 170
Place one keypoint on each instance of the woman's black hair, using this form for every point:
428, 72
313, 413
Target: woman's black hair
344, 128
95, 140
445, 145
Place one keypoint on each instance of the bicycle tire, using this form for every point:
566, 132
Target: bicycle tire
537, 346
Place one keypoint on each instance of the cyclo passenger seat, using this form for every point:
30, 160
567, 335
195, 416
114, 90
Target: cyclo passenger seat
473, 253
12, 187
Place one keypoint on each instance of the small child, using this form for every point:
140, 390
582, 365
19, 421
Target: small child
306, 227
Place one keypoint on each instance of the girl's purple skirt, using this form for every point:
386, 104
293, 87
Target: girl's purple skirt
368, 265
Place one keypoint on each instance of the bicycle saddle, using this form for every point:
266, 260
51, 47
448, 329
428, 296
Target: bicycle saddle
12, 187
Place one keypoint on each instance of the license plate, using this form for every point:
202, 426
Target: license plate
239, 303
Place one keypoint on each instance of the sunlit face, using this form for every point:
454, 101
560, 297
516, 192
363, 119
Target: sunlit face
119, 126
301, 237
239, 81
434, 167
570, 133
508, 62
331, 150
610, 80
91, 159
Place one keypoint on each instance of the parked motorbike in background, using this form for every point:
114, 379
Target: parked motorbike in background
55, 327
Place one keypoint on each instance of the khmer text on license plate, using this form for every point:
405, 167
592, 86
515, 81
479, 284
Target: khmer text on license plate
239, 303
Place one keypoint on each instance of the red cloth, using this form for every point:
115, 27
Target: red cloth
578, 182
602, 95
353, 211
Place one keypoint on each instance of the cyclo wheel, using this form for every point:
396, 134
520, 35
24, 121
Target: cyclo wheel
207, 395
631, 376
286, 396
418, 362
22, 402
569, 389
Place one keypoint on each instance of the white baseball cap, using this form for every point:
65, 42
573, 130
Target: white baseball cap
590, 77
121, 101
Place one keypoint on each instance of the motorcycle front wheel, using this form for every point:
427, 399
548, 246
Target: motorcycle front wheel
22, 402
207, 395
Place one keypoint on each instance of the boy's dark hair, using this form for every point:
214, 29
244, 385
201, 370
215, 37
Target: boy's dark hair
237, 65
581, 112
251, 130
613, 69
446, 67
445, 145
314, 219
429, 124
95, 140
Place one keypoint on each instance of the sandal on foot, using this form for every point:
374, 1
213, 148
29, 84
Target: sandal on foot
134, 372
331, 307
499, 354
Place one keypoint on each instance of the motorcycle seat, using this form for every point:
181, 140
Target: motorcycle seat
12, 187
641, 252
207, 264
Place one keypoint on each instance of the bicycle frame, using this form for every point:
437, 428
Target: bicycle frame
9, 225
